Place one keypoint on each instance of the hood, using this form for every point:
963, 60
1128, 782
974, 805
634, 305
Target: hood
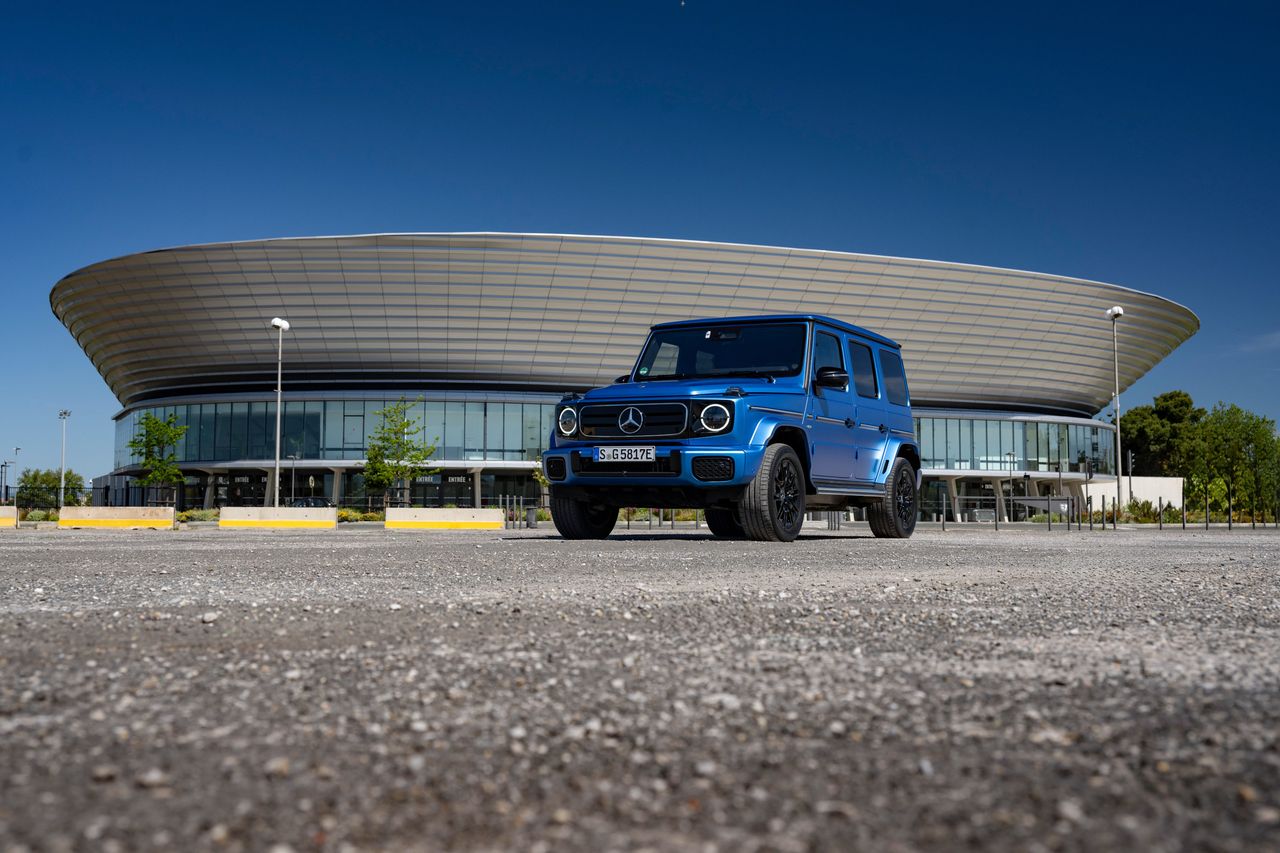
667, 389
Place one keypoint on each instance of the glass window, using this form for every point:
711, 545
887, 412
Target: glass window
494, 419
864, 370
454, 420
826, 352
433, 427
222, 431
895, 379
473, 431
239, 448
981, 459
513, 444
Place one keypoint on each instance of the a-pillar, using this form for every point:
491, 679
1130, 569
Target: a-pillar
997, 485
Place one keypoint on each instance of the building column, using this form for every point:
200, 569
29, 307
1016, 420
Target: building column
475, 486
269, 492
1001, 510
336, 492
210, 489
953, 498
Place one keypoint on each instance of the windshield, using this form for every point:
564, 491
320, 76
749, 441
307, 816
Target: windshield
768, 350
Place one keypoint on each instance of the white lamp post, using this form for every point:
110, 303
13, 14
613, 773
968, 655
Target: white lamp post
282, 326
1114, 314
62, 476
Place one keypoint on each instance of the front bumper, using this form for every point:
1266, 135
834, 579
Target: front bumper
675, 467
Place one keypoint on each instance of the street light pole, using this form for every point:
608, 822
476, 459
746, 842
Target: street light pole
62, 477
1114, 314
282, 326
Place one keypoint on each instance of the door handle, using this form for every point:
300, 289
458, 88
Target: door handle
883, 428
849, 423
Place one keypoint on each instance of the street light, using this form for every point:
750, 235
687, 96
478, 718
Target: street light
1012, 456
283, 326
14, 465
293, 476
1114, 314
62, 477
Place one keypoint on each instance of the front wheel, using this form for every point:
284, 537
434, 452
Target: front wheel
894, 515
582, 520
772, 509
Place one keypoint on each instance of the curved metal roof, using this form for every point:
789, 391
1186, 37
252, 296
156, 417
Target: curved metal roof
558, 312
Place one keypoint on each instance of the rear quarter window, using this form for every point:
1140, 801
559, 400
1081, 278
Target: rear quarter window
895, 378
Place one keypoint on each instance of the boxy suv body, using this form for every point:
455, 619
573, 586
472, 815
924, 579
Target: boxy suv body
753, 419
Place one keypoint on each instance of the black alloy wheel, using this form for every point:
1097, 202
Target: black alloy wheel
894, 515
580, 519
723, 523
772, 509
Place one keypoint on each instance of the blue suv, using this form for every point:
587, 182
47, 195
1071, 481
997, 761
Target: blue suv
754, 419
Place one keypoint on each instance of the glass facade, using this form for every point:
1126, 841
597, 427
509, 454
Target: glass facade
339, 429
995, 445
483, 430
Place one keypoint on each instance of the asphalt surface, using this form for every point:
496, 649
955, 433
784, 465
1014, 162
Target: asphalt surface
357, 689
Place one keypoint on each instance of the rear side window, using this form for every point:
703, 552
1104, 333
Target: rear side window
864, 370
895, 380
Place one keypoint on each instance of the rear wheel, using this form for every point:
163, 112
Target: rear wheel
772, 509
894, 515
582, 520
724, 523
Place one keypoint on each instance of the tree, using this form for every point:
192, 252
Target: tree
38, 488
397, 452
156, 441
1156, 434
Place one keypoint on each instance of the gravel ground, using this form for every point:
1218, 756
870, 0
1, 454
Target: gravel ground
253, 690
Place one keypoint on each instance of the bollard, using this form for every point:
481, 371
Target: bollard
1206, 507
1184, 512
1104, 512
1160, 512
1090, 503
1230, 511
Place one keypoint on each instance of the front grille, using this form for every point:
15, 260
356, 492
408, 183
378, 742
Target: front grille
710, 468
660, 419
555, 468
585, 465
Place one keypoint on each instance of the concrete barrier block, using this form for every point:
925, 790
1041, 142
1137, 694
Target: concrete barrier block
116, 517
8, 517
444, 519
280, 518
312, 518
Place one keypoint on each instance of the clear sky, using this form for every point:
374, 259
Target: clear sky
1131, 144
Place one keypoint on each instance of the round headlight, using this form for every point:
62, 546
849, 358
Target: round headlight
567, 421
714, 418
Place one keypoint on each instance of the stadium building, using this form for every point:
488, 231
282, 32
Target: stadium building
484, 332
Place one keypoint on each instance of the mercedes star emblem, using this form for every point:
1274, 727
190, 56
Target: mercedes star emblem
630, 420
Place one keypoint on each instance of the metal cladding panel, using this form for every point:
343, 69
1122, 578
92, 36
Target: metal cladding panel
562, 312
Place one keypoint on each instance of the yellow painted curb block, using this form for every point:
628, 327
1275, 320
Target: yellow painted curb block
444, 525
248, 522
148, 523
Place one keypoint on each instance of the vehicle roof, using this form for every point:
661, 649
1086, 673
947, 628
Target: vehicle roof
769, 318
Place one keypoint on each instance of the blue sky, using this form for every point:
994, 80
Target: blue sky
1126, 143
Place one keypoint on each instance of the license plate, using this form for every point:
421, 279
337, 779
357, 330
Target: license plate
625, 454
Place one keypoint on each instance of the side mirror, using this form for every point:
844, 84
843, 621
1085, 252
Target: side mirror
626, 377
831, 377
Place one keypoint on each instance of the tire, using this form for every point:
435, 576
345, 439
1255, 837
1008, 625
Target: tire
723, 523
894, 515
582, 520
772, 509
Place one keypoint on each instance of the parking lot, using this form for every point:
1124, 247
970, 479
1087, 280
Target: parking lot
358, 689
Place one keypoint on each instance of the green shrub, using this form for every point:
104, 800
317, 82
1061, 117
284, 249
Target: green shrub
345, 514
544, 514
198, 515
39, 515
373, 516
